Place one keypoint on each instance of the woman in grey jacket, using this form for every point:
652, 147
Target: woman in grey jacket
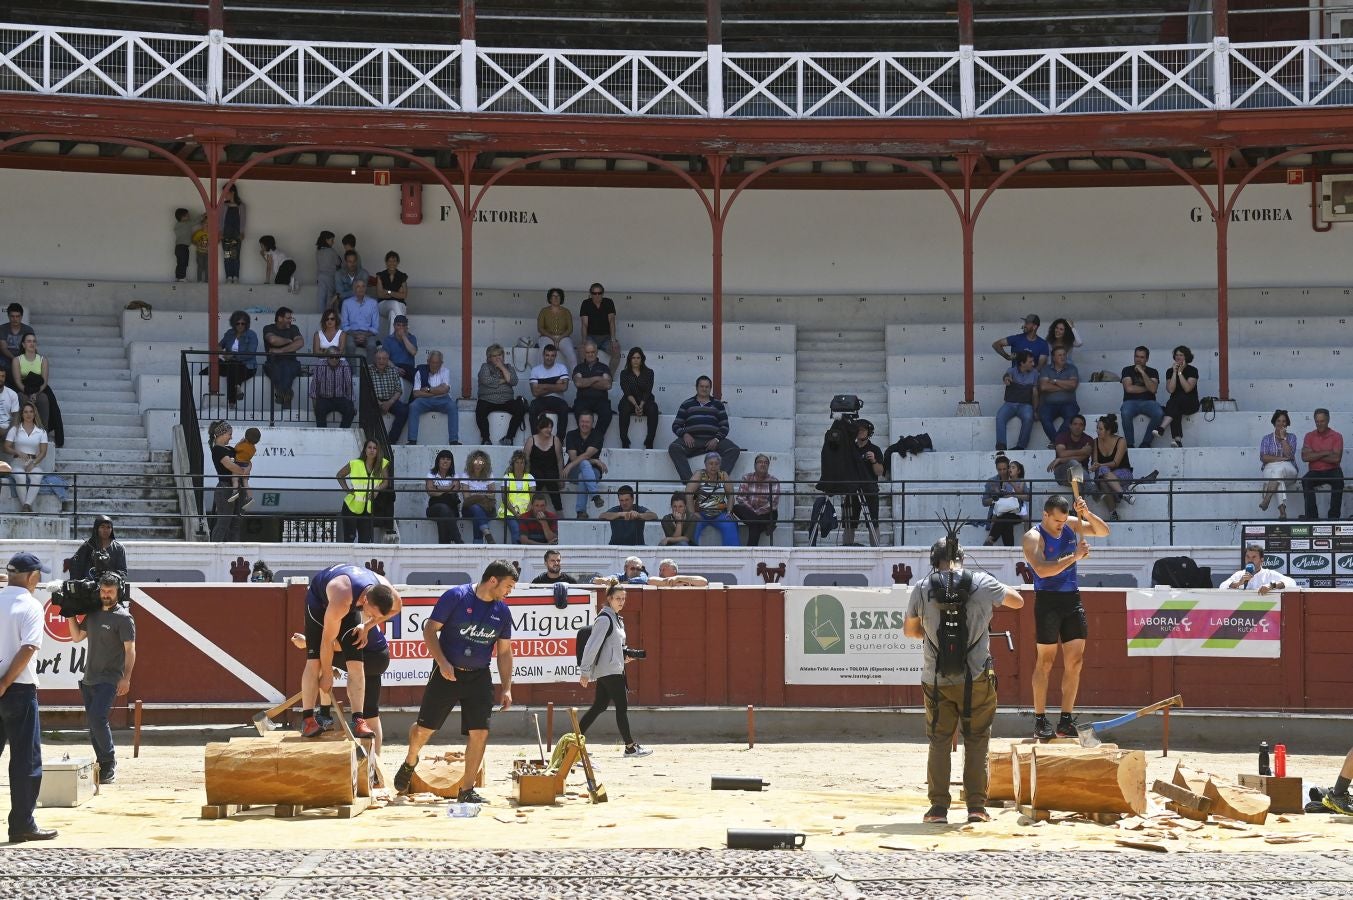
604, 661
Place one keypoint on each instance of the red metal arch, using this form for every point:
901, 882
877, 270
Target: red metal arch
125, 142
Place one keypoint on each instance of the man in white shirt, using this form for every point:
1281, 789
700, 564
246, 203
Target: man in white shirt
549, 381
668, 576
432, 393
1254, 577
9, 403
20, 639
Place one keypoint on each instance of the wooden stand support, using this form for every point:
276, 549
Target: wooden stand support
1091, 781
358, 806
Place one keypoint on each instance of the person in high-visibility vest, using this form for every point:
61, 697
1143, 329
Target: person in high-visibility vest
362, 478
518, 486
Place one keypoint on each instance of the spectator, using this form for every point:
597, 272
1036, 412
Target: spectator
350, 246
350, 274
232, 232
444, 497
549, 380
225, 525
871, 469
1254, 577
392, 290
584, 467
1057, 383
1140, 382
362, 478
1323, 452
1072, 447
101, 540
244, 456
327, 264
27, 441
519, 486
238, 360
329, 337
633, 572
538, 525
593, 381
1276, 454
669, 576
1112, 468
1021, 397
598, 317
758, 500
712, 496
278, 268
388, 387
603, 660
183, 241
31, 376
9, 402
545, 454
1181, 383
701, 426
636, 389
432, 393
402, 345
478, 495
998, 496
496, 382
627, 519
281, 341
15, 331
201, 242
331, 391
555, 325
1027, 339
1062, 333
1021, 489
678, 524
554, 571
360, 321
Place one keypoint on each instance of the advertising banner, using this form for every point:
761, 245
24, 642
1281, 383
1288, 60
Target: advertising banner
1233, 624
849, 636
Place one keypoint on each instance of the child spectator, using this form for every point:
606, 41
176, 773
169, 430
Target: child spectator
278, 267
183, 236
244, 455
200, 246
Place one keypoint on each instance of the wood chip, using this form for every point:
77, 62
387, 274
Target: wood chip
1132, 823
1288, 838
1142, 845
837, 832
1230, 824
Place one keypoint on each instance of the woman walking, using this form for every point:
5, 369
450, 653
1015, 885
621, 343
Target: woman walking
604, 661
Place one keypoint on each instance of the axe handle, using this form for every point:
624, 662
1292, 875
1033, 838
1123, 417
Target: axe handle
1176, 700
283, 706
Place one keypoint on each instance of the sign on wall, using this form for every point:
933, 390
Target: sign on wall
1313, 554
1235, 624
849, 636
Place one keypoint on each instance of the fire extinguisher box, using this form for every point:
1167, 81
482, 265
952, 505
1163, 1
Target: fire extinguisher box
411, 203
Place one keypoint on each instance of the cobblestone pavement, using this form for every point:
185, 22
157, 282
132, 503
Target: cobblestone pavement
624, 875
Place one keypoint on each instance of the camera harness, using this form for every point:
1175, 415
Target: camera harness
950, 591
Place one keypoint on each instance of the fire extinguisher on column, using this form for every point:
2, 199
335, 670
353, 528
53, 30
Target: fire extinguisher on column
411, 203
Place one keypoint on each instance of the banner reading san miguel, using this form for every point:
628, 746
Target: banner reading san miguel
849, 636
1234, 624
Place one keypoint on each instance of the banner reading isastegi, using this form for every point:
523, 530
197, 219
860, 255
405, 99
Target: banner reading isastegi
1236, 624
849, 636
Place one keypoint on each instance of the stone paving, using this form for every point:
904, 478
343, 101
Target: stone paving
56, 874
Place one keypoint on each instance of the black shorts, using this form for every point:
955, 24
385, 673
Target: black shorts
1059, 617
314, 631
374, 664
473, 688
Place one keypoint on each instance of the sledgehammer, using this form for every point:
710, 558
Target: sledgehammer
1089, 734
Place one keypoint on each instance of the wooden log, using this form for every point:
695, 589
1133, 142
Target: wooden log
1000, 783
1236, 802
1190, 779
441, 775
1183, 797
1020, 757
266, 772
1089, 782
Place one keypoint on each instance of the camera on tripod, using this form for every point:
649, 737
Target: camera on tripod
842, 468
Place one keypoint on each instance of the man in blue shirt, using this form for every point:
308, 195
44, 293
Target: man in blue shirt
1027, 339
402, 345
464, 629
360, 321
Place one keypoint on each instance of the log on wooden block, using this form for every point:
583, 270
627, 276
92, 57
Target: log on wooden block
1020, 758
1236, 802
1184, 798
1089, 781
264, 772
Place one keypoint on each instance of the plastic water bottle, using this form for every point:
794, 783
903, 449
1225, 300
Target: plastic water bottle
1280, 760
1263, 759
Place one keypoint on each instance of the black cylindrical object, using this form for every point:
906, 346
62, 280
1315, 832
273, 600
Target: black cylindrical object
765, 839
1263, 759
737, 783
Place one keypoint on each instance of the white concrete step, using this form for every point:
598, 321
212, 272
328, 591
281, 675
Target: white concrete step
93, 454
102, 441
85, 405
92, 415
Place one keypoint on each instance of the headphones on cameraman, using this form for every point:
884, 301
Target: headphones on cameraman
867, 425
946, 550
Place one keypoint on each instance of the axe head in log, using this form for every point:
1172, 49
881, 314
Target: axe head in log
1087, 735
264, 724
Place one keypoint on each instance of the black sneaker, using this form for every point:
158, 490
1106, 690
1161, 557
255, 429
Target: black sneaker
1340, 803
469, 795
107, 777
936, 815
403, 778
1066, 727
1043, 728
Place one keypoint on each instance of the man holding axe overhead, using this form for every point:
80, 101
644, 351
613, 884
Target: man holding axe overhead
1052, 549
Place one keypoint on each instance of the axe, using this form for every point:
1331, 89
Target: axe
263, 720
342, 718
1089, 734
1075, 473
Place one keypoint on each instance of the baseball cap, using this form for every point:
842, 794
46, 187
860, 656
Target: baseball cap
401, 320
1033, 317
27, 562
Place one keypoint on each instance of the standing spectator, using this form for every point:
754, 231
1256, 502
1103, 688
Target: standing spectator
1002, 506
402, 345
32, 377
225, 525
554, 571
327, 264
584, 466
496, 382
15, 331
555, 325
1072, 447
102, 541
282, 340
201, 242
183, 240
232, 232
351, 273
1140, 382
21, 619
9, 402
627, 519
278, 268
603, 661
1057, 383
549, 380
1323, 452
444, 498
592, 378
545, 454
478, 495
1181, 382
109, 660
1062, 333
1027, 339
678, 524
712, 496
519, 486
388, 387
432, 393
360, 321
239, 361
871, 468
329, 337
636, 389
362, 479
331, 391
1276, 454
392, 290
1021, 397
598, 317
758, 500
538, 524
701, 426
27, 443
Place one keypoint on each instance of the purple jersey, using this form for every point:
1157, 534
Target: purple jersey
470, 626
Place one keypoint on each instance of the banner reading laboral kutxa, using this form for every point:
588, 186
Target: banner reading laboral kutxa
1236, 624
849, 636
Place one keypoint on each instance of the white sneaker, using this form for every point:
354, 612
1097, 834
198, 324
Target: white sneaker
637, 751
293, 287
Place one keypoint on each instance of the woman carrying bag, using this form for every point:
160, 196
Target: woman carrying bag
604, 660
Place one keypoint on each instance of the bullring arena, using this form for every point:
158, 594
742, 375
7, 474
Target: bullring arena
828, 230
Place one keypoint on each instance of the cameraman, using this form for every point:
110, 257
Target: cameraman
101, 553
108, 666
870, 470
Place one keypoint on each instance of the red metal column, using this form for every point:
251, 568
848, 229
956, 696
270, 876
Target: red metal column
213, 210
967, 162
716, 222
467, 20
965, 29
466, 158
216, 15
714, 22
1221, 24
1223, 214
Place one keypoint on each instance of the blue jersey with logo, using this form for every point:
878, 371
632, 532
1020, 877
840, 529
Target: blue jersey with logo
1055, 548
376, 642
470, 626
317, 598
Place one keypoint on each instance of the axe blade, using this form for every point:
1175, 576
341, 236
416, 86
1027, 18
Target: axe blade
264, 724
1087, 735
1075, 473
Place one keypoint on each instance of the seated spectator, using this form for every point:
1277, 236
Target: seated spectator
281, 341
998, 496
392, 291
9, 402
712, 496
388, 387
1112, 468
701, 426
351, 273
1181, 383
496, 382
26, 442
14, 333
444, 498
627, 519
327, 264
350, 246
1057, 383
278, 268
1062, 333
555, 325
1277, 455
554, 571
402, 345
545, 454
1021, 396
668, 576
1022, 491
678, 524
549, 380
758, 500
598, 317
31, 381
331, 391
582, 448
479, 495
592, 378
633, 573
360, 321
636, 389
1140, 382
1254, 577
539, 524
519, 486
329, 337
1323, 451
238, 362
1072, 448
432, 393
1027, 339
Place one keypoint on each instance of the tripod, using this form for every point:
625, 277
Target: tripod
857, 500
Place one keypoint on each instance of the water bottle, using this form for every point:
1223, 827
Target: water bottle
1280, 760
1263, 759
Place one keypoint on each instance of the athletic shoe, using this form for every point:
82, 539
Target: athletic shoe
936, 815
403, 778
233, 497
311, 727
1149, 478
635, 751
506, 442
360, 728
978, 814
248, 501
1066, 728
326, 723
1340, 803
292, 286
1043, 728
582, 514
469, 795
596, 500
107, 777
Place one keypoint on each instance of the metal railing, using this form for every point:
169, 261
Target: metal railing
255, 399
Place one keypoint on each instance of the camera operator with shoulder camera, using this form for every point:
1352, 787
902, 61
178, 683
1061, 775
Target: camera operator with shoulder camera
603, 660
111, 656
851, 466
101, 553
